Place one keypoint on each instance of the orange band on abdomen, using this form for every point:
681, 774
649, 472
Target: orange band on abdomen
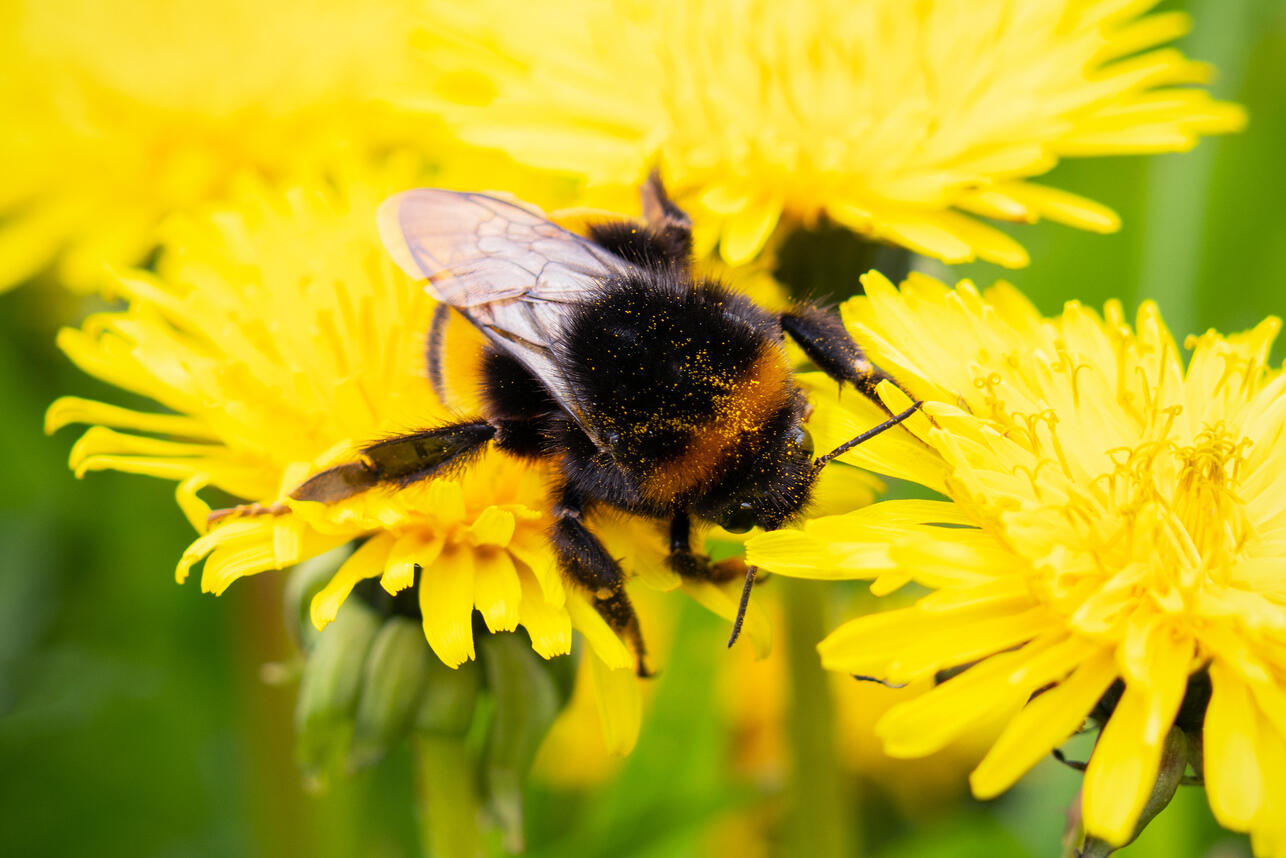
754, 398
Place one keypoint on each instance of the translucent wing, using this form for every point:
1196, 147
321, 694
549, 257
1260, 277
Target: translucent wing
507, 268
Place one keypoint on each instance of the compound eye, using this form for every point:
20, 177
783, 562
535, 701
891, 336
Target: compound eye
740, 519
802, 440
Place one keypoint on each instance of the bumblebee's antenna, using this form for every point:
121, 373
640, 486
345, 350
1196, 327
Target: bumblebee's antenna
865, 436
751, 571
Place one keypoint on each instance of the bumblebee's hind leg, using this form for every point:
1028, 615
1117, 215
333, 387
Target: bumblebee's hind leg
683, 560
400, 461
587, 562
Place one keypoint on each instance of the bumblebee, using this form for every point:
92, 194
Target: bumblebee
652, 391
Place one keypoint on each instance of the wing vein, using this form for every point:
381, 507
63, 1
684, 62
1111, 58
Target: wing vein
512, 272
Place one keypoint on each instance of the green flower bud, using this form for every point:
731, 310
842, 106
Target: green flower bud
392, 684
450, 696
527, 701
329, 688
1174, 762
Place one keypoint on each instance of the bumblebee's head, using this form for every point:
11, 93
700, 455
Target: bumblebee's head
773, 489
777, 487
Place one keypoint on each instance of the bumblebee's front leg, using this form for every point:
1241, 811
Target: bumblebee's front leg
827, 343
689, 564
587, 562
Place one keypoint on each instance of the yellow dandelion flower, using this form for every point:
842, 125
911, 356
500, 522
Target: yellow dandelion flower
117, 114
279, 338
898, 120
1113, 545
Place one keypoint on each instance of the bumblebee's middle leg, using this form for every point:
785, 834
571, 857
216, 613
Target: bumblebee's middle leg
664, 239
587, 562
671, 223
689, 564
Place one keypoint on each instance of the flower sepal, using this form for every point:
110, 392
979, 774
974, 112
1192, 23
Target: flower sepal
1175, 757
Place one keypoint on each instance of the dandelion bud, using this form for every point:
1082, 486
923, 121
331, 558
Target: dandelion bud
447, 705
527, 701
305, 581
393, 682
328, 691
1174, 762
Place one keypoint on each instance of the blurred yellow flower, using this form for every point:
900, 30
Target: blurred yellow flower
116, 114
280, 338
761, 745
895, 119
1115, 527
921, 788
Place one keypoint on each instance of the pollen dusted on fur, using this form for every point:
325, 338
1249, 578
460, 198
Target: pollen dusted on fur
646, 389
223, 336
743, 406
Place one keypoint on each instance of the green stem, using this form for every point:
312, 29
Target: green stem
1074, 832
819, 823
447, 797
1174, 226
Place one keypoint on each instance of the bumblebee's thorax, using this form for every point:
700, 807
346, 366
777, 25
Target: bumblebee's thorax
680, 382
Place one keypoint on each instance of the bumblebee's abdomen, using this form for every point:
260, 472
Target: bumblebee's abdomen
678, 379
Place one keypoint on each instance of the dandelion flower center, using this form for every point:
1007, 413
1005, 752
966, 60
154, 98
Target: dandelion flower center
1176, 502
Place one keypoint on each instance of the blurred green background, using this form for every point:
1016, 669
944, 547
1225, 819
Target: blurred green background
133, 720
